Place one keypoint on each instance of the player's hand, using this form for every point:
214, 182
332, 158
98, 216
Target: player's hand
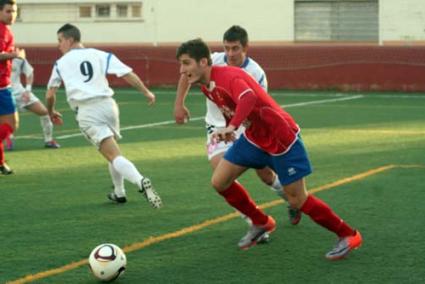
150, 97
56, 118
181, 114
226, 134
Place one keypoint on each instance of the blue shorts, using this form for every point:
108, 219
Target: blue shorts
7, 102
290, 167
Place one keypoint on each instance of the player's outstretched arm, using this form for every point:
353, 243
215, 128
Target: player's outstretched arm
55, 116
181, 112
134, 80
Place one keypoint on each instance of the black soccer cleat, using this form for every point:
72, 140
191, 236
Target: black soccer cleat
113, 197
5, 169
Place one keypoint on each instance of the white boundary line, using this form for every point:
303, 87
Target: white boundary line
323, 101
168, 122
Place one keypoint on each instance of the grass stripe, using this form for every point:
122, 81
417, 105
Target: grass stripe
191, 229
335, 184
350, 130
167, 122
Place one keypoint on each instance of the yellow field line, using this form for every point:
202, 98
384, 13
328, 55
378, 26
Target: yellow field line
194, 228
335, 184
372, 130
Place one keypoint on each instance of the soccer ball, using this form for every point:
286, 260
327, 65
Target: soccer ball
107, 262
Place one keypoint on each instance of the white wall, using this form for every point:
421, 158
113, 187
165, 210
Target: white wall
41, 20
402, 20
267, 20
167, 21
172, 21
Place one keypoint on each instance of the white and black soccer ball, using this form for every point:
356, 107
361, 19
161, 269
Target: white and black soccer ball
107, 262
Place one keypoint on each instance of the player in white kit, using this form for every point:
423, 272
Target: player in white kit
27, 101
83, 72
235, 42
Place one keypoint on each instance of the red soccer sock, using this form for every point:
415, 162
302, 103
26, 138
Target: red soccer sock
323, 215
239, 198
1, 153
5, 131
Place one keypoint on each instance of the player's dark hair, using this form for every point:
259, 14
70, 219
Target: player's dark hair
6, 2
196, 49
236, 33
70, 31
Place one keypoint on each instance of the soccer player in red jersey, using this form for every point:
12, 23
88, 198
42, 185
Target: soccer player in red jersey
272, 138
235, 44
8, 114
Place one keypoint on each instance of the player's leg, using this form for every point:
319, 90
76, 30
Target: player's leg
269, 177
7, 127
9, 142
215, 157
19, 99
39, 109
124, 167
215, 153
223, 181
235, 162
99, 122
8, 124
235, 194
292, 168
118, 195
110, 150
322, 214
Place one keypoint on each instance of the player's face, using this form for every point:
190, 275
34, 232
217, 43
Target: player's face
8, 14
194, 71
64, 44
235, 52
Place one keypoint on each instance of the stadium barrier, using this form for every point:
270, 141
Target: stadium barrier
299, 66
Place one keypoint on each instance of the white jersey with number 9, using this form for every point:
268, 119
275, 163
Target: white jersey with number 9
83, 72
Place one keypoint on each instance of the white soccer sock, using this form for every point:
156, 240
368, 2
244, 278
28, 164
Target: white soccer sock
277, 187
117, 180
127, 169
47, 126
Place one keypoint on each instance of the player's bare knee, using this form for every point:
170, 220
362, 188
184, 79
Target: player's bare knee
296, 196
294, 202
220, 184
216, 184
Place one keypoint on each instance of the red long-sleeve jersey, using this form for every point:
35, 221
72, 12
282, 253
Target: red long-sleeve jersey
242, 101
6, 45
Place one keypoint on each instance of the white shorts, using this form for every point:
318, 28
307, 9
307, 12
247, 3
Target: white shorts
214, 148
98, 119
24, 99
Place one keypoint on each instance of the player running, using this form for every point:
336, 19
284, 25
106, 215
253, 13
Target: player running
83, 72
235, 43
8, 113
26, 100
272, 138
